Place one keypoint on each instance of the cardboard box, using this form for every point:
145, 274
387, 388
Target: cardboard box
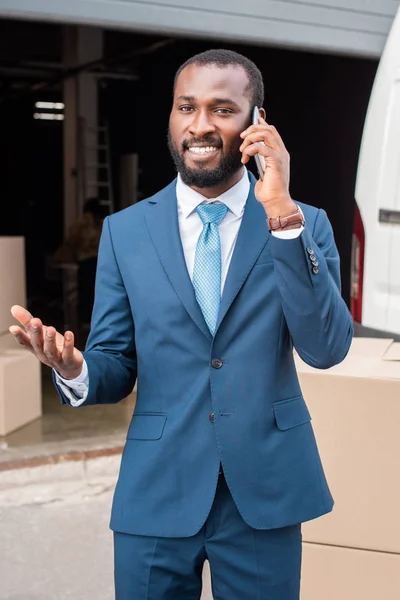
331, 573
20, 375
12, 277
7, 341
20, 389
355, 408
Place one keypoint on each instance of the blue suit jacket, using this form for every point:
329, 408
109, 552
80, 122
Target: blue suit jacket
147, 325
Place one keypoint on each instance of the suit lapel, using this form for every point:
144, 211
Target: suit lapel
253, 236
162, 223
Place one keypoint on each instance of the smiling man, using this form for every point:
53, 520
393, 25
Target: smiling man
205, 149
202, 292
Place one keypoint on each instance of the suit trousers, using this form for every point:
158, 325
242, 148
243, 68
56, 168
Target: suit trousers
245, 563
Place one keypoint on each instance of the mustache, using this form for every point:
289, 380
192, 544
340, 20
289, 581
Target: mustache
210, 141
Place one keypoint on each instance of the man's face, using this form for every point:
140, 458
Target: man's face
211, 108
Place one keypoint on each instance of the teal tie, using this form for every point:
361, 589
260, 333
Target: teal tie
207, 262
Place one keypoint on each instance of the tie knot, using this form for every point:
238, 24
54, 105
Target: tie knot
212, 213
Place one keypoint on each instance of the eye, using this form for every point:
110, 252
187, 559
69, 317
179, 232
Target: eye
185, 108
224, 111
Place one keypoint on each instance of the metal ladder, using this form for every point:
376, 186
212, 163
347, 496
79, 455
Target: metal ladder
96, 173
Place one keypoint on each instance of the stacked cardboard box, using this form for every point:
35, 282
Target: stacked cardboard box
20, 381
354, 552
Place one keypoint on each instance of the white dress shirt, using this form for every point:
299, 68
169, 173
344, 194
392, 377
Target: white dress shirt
190, 228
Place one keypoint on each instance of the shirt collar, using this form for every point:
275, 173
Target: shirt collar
234, 198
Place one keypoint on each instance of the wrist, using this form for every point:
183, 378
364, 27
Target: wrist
283, 222
69, 375
279, 207
289, 227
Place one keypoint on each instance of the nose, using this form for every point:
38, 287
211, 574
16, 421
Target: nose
201, 124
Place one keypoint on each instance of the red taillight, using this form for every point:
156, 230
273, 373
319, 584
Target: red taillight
357, 266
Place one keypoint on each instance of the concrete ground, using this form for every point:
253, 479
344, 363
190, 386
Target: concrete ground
60, 548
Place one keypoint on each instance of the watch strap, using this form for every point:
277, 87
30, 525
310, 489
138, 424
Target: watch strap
295, 218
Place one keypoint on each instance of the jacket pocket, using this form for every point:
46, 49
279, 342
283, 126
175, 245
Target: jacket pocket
146, 426
291, 413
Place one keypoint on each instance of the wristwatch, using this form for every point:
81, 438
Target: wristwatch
295, 218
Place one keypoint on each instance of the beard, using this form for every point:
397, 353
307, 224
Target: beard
202, 176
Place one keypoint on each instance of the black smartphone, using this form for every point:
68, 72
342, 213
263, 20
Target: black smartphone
260, 160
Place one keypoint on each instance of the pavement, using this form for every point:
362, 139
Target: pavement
55, 543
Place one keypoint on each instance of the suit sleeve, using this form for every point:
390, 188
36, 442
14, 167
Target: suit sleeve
308, 276
110, 352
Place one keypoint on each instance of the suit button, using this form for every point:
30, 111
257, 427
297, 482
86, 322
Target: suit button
315, 270
310, 251
212, 417
312, 257
315, 263
216, 363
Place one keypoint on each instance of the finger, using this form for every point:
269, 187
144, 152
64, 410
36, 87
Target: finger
67, 355
261, 136
271, 133
22, 315
268, 129
21, 337
253, 128
36, 335
50, 347
260, 148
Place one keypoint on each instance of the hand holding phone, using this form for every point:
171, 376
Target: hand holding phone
260, 160
262, 141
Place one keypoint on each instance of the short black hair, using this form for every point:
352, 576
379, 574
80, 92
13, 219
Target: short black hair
223, 58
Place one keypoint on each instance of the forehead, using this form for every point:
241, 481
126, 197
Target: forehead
207, 81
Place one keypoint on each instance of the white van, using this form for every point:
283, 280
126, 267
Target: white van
375, 285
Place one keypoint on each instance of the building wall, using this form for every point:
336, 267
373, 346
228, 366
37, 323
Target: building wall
352, 27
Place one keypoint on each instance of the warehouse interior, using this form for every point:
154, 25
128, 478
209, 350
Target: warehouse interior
317, 101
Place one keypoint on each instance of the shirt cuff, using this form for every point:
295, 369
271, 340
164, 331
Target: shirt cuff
290, 234
76, 390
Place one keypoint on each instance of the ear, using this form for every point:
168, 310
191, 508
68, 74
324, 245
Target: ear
263, 114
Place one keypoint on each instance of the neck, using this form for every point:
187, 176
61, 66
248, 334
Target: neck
214, 192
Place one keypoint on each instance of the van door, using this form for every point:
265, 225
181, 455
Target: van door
390, 206
378, 192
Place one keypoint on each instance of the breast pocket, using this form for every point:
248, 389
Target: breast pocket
147, 426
